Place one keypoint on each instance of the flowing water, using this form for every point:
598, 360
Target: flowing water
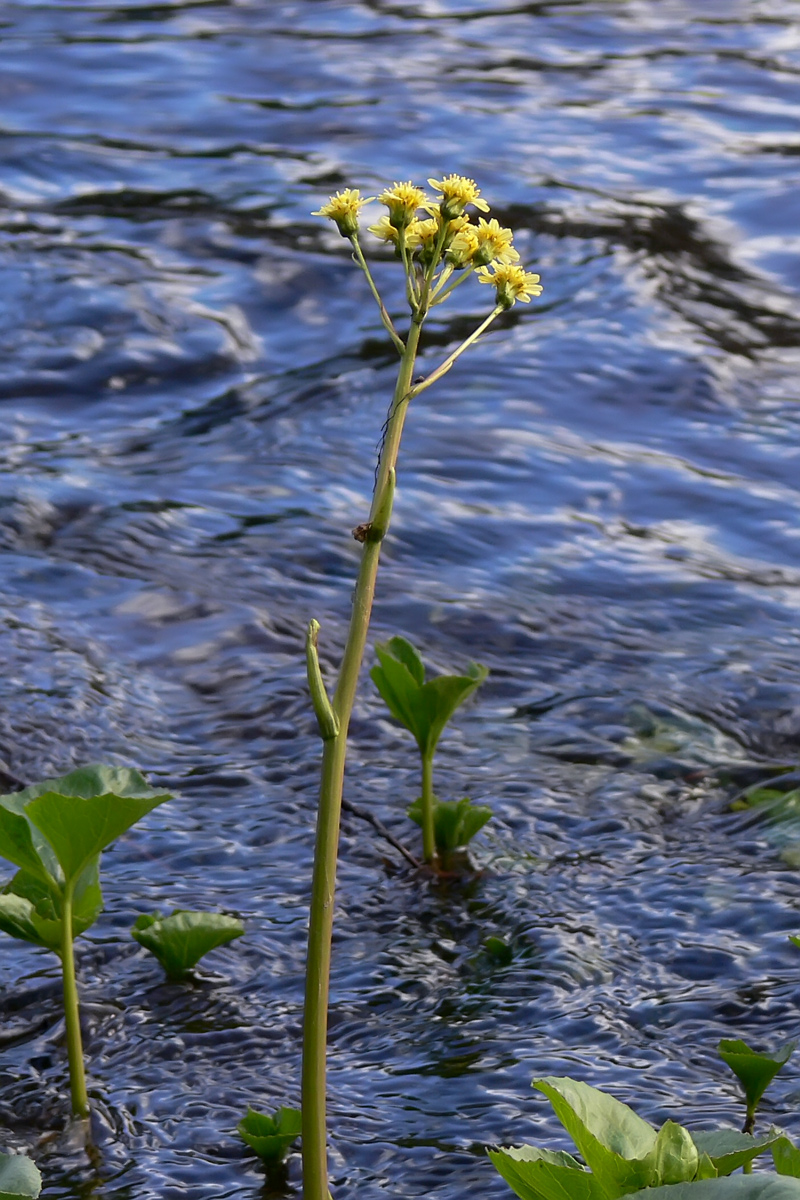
600, 503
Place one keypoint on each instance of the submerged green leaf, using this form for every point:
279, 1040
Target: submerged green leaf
786, 1157
179, 941
19, 1177
782, 805
271, 1136
615, 1143
536, 1174
499, 949
732, 1187
455, 822
755, 1071
728, 1149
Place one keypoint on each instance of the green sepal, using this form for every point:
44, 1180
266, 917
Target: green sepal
271, 1136
180, 940
536, 1174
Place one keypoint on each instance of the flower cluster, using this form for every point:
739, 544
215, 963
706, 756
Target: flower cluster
430, 232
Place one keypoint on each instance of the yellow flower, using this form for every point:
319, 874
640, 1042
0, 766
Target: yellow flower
494, 244
463, 247
512, 283
423, 236
402, 200
343, 208
384, 230
457, 193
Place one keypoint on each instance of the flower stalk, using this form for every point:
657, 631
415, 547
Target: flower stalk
421, 246
77, 1071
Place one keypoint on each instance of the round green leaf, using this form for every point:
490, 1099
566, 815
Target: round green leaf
19, 1177
180, 940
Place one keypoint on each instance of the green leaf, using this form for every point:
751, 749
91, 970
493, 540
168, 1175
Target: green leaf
271, 1136
499, 950
87, 782
536, 1174
455, 822
18, 845
705, 1168
786, 1157
29, 910
754, 1071
180, 940
19, 1177
615, 1142
728, 1149
439, 699
423, 708
399, 691
17, 919
733, 1187
405, 653
83, 812
674, 1157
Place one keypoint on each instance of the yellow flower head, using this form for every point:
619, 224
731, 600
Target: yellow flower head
463, 246
512, 283
402, 200
494, 244
423, 236
343, 208
384, 230
457, 193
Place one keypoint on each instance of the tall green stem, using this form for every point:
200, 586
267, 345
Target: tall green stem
77, 1075
315, 1030
428, 833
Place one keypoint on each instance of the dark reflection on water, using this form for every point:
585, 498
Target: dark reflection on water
602, 506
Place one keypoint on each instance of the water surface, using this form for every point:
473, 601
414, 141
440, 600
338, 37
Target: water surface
600, 503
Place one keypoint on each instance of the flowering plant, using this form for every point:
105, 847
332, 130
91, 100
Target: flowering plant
439, 247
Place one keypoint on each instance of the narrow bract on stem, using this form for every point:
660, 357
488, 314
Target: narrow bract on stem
438, 247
